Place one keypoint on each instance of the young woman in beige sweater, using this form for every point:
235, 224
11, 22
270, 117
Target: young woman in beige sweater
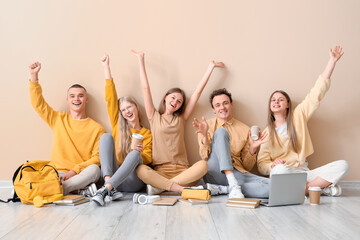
289, 141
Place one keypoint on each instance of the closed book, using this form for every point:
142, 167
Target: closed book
242, 205
193, 201
165, 201
244, 200
70, 199
84, 200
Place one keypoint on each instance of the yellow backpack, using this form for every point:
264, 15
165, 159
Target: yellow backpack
37, 182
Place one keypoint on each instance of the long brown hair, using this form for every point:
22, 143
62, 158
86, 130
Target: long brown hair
162, 106
289, 121
124, 128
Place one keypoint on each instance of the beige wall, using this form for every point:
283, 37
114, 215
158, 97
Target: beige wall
266, 45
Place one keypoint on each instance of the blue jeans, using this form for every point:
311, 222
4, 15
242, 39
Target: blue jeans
123, 178
220, 160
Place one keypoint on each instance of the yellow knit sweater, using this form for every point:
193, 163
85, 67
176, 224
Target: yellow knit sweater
283, 150
113, 110
75, 142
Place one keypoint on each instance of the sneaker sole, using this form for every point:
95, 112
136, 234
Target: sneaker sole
99, 202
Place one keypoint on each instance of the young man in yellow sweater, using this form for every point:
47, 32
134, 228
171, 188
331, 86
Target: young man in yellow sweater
225, 143
75, 149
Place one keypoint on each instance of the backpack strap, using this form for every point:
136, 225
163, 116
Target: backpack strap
15, 197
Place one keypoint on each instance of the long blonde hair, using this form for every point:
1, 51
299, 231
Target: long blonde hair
289, 121
124, 128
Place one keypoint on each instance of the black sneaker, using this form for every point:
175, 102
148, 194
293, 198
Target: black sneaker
100, 195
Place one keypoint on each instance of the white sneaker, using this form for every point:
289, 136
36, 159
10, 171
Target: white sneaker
217, 189
197, 187
89, 191
333, 191
235, 192
153, 190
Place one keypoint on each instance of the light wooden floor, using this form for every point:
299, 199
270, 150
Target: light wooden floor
335, 218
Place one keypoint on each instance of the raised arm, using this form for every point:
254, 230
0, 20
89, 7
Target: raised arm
335, 55
148, 102
37, 100
105, 60
200, 87
110, 92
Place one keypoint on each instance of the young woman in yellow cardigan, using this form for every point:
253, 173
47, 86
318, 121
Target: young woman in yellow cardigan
118, 160
289, 141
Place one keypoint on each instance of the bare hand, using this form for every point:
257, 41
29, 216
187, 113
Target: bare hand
336, 54
218, 64
69, 174
105, 60
201, 127
34, 68
139, 54
255, 144
277, 161
140, 147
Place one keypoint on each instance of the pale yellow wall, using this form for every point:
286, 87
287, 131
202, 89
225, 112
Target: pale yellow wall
266, 45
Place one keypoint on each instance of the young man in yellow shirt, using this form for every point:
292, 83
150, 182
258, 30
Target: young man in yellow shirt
75, 149
231, 153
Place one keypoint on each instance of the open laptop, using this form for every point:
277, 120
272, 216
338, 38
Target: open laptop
286, 189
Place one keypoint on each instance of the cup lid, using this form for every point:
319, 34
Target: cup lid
138, 136
314, 189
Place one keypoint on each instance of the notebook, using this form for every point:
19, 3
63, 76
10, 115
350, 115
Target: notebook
286, 189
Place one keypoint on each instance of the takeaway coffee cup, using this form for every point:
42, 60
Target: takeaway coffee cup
136, 139
255, 132
143, 199
314, 195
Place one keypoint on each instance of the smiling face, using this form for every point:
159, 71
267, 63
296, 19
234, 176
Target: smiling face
278, 103
222, 107
173, 102
129, 112
77, 99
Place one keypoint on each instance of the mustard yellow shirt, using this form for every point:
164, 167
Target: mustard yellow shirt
75, 142
242, 159
113, 110
302, 113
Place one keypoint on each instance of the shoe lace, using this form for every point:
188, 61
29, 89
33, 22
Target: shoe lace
103, 192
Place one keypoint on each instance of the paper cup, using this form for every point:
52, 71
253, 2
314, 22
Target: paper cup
314, 195
255, 132
136, 139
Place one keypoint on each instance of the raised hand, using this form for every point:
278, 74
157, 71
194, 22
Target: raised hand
218, 64
105, 60
201, 127
336, 54
139, 54
34, 69
255, 144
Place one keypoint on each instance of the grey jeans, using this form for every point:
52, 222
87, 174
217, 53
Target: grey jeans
220, 160
123, 178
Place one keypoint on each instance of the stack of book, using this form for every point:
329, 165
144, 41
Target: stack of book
72, 200
243, 202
